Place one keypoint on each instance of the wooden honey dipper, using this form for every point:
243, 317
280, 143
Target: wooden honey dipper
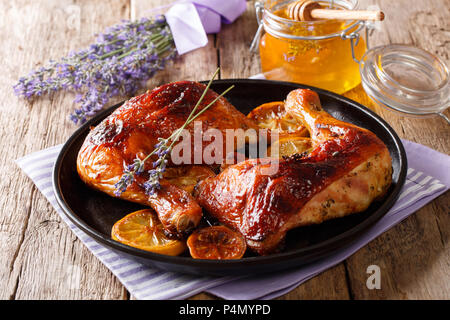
307, 10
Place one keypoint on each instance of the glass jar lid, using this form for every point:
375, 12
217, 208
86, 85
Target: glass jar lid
406, 79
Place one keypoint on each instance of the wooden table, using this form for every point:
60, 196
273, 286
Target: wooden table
36, 247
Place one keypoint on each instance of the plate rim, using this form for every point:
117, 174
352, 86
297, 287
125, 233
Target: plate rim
346, 236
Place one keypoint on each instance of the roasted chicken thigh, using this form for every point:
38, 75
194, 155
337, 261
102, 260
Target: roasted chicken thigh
346, 170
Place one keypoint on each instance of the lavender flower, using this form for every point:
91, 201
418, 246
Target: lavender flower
125, 181
118, 63
152, 184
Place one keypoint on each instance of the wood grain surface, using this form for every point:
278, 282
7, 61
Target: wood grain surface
42, 259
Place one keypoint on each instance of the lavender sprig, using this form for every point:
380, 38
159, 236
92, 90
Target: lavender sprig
162, 150
119, 63
128, 176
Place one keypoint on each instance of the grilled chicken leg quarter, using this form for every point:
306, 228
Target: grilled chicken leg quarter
133, 129
346, 170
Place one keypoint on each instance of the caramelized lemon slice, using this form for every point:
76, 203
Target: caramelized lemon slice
289, 145
217, 242
142, 230
273, 116
187, 177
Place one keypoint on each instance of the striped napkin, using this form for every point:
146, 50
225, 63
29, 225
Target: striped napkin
422, 186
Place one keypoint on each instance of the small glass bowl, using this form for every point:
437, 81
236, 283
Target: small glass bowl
406, 79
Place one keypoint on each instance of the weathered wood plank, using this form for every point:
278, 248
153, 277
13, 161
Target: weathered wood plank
41, 259
233, 43
329, 285
413, 259
414, 255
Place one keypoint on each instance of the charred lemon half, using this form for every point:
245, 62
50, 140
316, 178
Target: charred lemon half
143, 230
216, 242
273, 116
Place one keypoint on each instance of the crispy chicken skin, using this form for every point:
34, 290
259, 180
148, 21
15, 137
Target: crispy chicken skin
133, 129
347, 169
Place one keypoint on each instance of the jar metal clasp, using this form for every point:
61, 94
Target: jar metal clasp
354, 36
259, 8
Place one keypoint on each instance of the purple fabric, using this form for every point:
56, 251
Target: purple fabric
439, 167
191, 20
229, 10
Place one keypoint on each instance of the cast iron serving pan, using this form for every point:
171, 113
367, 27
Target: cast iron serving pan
95, 212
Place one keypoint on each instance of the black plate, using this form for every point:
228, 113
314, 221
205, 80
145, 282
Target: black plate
95, 212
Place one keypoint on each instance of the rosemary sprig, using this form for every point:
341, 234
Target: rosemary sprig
162, 149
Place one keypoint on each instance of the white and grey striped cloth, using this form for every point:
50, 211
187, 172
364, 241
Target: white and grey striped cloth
428, 177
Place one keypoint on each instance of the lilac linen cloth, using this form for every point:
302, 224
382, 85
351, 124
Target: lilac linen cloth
191, 20
428, 177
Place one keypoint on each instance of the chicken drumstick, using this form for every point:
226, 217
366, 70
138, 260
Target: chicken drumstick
347, 169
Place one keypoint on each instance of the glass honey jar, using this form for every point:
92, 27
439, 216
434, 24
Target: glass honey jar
319, 53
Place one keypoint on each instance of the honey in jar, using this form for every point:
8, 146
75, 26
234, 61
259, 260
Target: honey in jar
310, 52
